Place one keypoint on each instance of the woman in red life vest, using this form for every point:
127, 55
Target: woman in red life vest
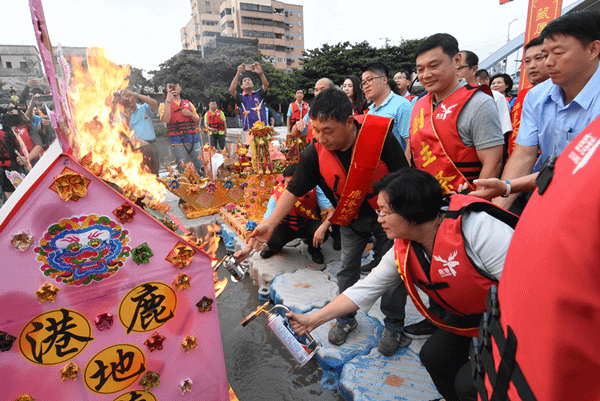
453, 249
352, 88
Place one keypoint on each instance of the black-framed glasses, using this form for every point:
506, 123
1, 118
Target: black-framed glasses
369, 81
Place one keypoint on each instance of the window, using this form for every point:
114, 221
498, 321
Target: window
249, 7
258, 34
24, 65
8, 64
207, 3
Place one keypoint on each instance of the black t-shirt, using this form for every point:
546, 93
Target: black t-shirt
308, 174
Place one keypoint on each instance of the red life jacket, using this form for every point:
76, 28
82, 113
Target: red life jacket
306, 208
180, 124
309, 132
451, 279
352, 187
435, 144
22, 131
215, 121
548, 293
297, 112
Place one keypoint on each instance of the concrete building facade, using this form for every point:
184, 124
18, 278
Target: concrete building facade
278, 26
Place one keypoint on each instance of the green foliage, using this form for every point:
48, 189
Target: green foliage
208, 78
343, 59
138, 82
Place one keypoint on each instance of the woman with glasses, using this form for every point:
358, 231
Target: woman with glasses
353, 90
453, 249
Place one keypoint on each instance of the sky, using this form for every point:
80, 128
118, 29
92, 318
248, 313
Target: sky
144, 33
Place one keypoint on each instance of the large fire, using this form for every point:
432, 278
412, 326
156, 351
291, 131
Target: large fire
97, 141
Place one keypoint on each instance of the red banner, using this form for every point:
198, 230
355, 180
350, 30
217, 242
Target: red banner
539, 14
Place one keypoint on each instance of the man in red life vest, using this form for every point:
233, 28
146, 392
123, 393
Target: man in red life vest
453, 249
304, 125
182, 126
297, 111
215, 122
367, 142
556, 110
455, 132
303, 221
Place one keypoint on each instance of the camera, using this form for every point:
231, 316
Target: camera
7, 118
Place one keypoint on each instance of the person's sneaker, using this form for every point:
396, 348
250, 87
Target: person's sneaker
267, 253
420, 330
390, 342
337, 243
316, 254
366, 269
339, 332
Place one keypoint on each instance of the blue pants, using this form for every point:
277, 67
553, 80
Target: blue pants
355, 237
188, 152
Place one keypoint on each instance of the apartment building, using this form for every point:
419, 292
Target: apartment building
278, 26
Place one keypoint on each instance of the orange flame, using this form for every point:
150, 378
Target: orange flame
99, 128
211, 244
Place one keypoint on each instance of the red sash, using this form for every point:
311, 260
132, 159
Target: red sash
366, 167
515, 118
445, 157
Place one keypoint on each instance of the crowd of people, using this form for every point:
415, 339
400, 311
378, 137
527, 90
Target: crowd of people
462, 137
437, 182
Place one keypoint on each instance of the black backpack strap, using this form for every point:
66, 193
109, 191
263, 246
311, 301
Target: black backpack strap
482, 359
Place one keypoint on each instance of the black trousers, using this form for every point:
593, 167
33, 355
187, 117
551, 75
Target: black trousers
445, 355
284, 233
217, 141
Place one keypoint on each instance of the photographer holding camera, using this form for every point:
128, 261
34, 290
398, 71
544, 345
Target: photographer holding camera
182, 126
251, 102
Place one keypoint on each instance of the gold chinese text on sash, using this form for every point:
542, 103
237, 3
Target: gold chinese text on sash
368, 144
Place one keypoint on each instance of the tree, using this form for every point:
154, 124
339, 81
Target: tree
203, 79
343, 59
138, 81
